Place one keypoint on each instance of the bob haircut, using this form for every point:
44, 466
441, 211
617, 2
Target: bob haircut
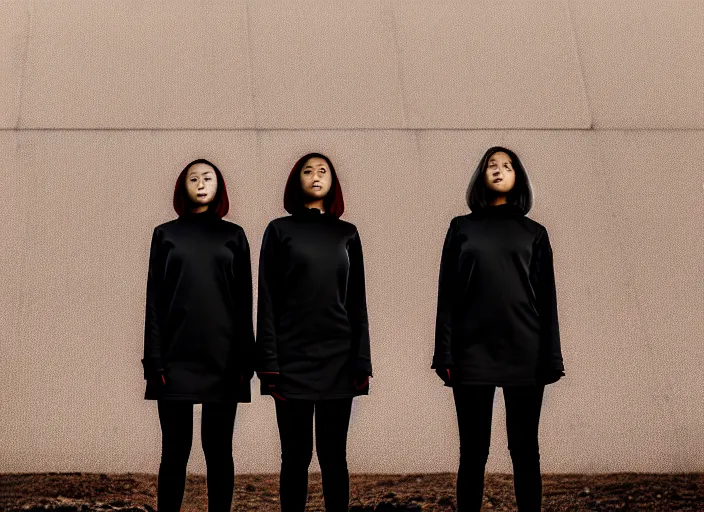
220, 204
479, 195
333, 202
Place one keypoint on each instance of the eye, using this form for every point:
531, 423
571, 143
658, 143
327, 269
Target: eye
323, 171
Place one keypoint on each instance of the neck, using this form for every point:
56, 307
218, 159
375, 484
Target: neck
315, 204
199, 209
498, 200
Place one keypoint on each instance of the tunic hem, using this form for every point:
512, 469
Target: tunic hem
198, 399
318, 398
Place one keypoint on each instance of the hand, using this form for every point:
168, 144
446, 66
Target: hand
245, 375
153, 371
157, 379
271, 383
445, 373
361, 380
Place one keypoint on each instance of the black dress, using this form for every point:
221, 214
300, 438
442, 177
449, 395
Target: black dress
312, 325
198, 324
497, 307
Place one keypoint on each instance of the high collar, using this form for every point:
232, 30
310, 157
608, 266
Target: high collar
500, 211
312, 213
208, 215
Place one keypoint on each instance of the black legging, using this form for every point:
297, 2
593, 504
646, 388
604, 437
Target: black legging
295, 420
217, 425
474, 405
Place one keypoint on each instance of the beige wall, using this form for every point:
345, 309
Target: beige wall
102, 103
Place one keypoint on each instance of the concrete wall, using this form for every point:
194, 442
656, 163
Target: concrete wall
103, 103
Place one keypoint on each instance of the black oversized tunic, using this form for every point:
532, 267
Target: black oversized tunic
312, 325
198, 325
497, 307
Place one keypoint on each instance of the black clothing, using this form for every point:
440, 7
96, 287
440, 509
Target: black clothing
295, 420
312, 325
444, 374
497, 307
198, 325
474, 405
217, 425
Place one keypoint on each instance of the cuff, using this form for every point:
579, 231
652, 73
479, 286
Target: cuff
152, 367
362, 366
442, 362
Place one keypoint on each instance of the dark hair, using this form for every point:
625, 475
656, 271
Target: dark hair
220, 204
479, 195
293, 194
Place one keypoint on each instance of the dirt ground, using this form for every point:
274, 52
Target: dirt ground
427, 492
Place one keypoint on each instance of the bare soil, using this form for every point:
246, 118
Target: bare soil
69, 492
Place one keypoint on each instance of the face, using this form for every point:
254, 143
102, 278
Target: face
201, 184
500, 176
316, 178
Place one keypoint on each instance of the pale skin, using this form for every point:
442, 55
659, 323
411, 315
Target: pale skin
500, 176
201, 186
316, 180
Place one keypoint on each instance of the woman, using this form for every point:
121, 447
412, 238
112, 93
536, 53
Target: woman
313, 352
497, 325
199, 339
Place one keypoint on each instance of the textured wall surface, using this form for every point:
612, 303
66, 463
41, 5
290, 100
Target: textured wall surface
103, 103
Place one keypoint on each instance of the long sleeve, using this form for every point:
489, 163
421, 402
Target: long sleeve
266, 345
152, 322
356, 305
242, 277
550, 351
446, 295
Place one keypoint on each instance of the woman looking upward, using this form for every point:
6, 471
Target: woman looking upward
497, 325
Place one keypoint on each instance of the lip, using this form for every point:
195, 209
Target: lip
201, 195
497, 180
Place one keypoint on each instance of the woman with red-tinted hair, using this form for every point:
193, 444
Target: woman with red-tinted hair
199, 339
313, 353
